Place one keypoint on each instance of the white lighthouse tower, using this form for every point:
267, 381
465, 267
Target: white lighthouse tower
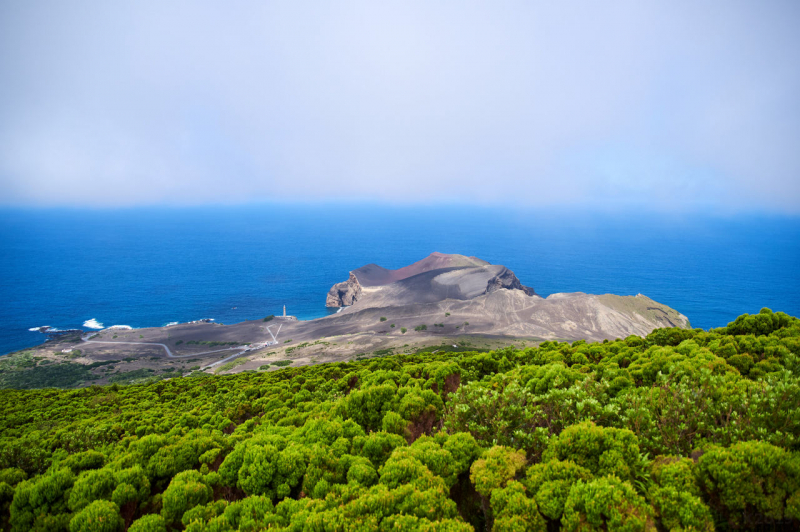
286, 316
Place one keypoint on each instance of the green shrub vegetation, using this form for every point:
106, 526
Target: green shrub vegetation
680, 430
421, 328
269, 318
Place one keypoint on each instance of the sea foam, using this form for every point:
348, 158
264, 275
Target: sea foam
40, 329
125, 327
93, 324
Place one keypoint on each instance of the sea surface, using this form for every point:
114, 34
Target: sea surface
151, 266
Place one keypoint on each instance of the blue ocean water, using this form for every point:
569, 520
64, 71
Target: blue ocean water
150, 266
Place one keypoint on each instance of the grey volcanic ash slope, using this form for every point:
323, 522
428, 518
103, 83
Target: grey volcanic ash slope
492, 300
437, 276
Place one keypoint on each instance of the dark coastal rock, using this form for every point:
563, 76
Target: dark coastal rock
345, 293
507, 279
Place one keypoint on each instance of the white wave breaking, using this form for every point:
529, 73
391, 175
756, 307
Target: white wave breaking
171, 323
203, 320
92, 324
124, 327
40, 329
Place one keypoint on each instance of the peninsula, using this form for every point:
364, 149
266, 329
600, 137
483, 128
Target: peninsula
442, 302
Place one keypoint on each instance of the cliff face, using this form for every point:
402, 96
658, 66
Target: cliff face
507, 279
344, 294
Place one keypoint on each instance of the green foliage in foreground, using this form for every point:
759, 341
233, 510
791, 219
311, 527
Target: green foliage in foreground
681, 430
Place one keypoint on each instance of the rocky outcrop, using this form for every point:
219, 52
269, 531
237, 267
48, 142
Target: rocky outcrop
344, 294
507, 279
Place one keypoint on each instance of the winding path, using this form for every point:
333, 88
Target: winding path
240, 348
169, 353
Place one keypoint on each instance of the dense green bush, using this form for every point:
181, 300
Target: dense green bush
99, 516
149, 523
606, 503
751, 481
680, 430
187, 490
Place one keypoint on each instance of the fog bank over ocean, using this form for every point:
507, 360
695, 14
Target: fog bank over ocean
151, 266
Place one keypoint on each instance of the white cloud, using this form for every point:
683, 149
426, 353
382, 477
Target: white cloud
193, 102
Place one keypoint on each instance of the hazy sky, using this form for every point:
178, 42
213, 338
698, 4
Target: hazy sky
649, 105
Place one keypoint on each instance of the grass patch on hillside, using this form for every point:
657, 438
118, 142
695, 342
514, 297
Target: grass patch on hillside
644, 306
17, 361
277, 363
230, 365
210, 343
448, 348
25, 371
130, 376
378, 353
63, 375
294, 347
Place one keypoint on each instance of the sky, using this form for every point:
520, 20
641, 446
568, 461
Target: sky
671, 105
